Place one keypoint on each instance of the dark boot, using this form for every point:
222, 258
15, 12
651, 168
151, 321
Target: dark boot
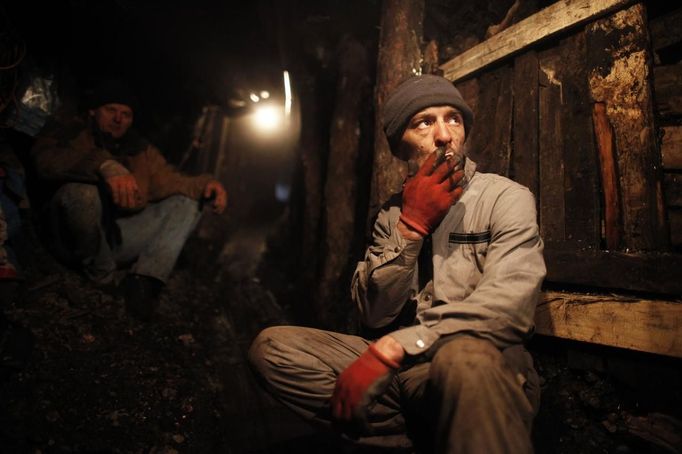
141, 294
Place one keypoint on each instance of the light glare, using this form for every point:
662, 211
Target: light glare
267, 118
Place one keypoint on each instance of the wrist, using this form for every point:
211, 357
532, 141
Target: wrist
111, 168
389, 351
408, 231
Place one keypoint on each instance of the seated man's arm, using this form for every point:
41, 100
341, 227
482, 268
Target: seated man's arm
167, 180
386, 279
502, 307
61, 155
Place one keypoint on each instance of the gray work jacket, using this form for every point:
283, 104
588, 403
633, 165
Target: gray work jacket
487, 269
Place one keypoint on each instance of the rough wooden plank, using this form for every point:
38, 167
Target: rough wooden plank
524, 163
550, 143
647, 272
609, 176
490, 141
671, 147
668, 89
666, 29
582, 211
648, 325
672, 186
618, 59
554, 19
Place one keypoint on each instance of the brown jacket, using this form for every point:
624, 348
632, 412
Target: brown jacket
69, 153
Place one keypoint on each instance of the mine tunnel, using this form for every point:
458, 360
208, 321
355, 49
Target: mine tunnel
200, 199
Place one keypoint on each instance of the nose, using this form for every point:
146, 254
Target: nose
117, 117
442, 134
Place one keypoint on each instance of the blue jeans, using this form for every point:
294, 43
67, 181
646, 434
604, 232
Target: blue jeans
151, 240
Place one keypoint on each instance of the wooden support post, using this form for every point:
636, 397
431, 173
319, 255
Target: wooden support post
524, 165
490, 140
619, 77
609, 176
399, 57
671, 147
340, 193
552, 206
668, 88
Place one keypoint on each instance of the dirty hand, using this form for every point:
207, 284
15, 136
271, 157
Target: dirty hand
214, 190
124, 191
361, 383
430, 193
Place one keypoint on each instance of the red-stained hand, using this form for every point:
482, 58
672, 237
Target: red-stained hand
360, 384
429, 194
124, 191
216, 191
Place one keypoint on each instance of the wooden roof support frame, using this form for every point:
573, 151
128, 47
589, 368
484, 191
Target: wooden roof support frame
550, 21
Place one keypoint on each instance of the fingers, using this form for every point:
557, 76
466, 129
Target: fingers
455, 179
440, 164
216, 191
220, 202
208, 190
427, 167
124, 191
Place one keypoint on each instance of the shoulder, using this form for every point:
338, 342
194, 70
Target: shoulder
490, 185
64, 130
503, 199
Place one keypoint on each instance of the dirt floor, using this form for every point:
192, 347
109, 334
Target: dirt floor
99, 382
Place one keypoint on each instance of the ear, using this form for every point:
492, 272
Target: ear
91, 112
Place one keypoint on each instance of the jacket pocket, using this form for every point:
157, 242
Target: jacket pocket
474, 245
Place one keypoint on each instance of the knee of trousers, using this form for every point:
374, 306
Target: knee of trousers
263, 356
181, 206
464, 361
78, 199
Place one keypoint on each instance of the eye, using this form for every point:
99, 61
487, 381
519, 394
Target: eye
424, 123
454, 119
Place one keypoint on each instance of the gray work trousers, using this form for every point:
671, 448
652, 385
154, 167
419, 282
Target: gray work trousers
468, 398
151, 240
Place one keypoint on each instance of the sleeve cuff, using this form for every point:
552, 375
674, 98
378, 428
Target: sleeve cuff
415, 340
111, 168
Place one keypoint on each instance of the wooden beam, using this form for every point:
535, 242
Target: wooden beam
668, 89
672, 186
647, 325
399, 56
550, 21
646, 272
581, 181
490, 141
666, 29
671, 147
609, 177
675, 227
524, 163
551, 145
621, 80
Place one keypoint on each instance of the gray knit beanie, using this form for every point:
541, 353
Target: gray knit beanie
418, 93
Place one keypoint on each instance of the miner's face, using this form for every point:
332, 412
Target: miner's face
115, 119
433, 127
